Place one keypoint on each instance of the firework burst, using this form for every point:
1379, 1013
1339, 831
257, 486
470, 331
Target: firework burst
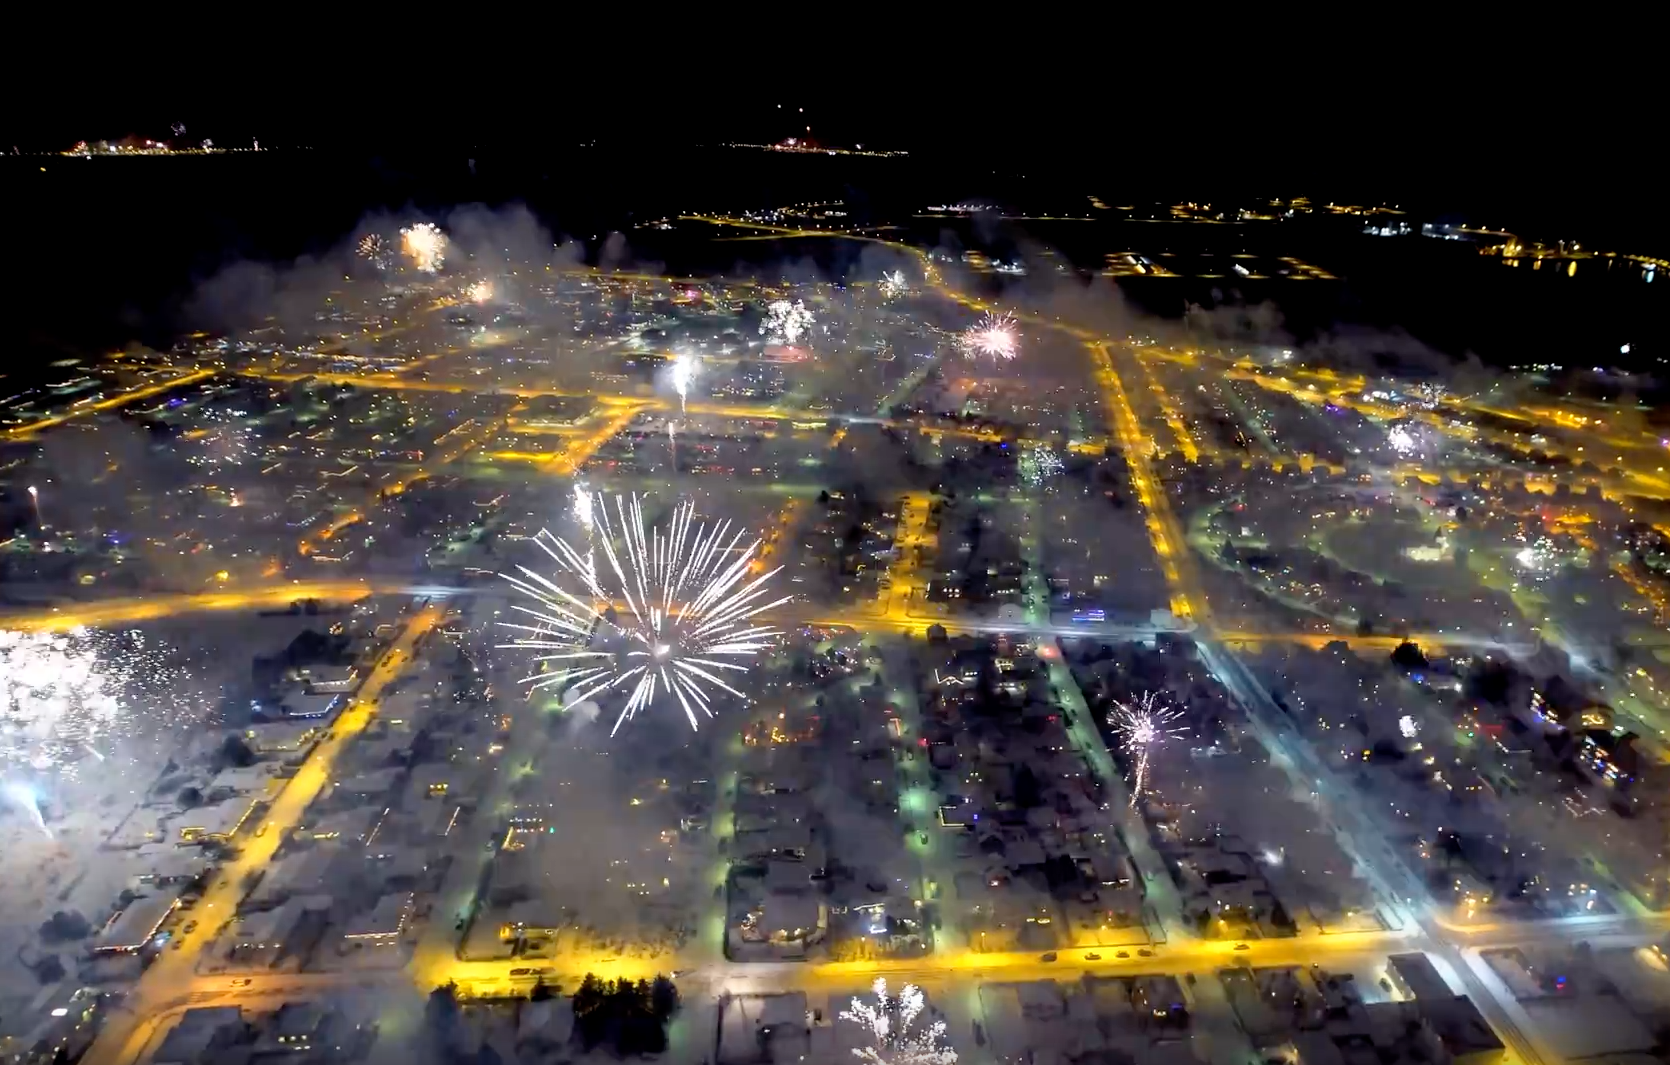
993, 336
1041, 465
372, 248
64, 693
1142, 725
670, 611
786, 322
480, 292
425, 245
892, 1026
893, 285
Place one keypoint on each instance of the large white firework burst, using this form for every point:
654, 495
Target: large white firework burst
64, 694
1143, 724
677, 603
425, 245
785, 321
994, 336
896, 1040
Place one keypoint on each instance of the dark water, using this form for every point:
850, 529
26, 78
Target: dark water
105, 251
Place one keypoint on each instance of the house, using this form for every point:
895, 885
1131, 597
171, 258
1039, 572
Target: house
200, 1036
216, 822
385, 922
130, 929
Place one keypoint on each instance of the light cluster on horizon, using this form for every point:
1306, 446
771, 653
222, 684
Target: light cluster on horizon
690, 601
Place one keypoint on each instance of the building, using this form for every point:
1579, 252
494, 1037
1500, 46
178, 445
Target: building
244, 779
130, 929
297, 1028
200, 1036
217, 822
262, 938
281, 737
384, 924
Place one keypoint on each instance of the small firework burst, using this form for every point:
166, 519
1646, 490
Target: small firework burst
786, 322
993, 336
894, 285
1142, 725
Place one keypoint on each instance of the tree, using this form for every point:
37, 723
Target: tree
65, 925
541, 991
663, 997
1028, 791
441, 1015
1407, 656
189, 797
235, 752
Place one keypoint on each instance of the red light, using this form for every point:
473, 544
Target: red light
923, 742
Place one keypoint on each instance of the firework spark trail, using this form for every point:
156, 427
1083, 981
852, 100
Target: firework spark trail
685, 368
583, 505
994, 336
893, 285
25, 799
1143, 725
425, 245
890, 1021
688, 595
785, 321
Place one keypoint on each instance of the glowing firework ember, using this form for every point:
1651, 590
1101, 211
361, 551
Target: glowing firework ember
688, 596
893, 285
896, 1040
480, 292
994, 336
425, 245
1142, 726
785, 321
